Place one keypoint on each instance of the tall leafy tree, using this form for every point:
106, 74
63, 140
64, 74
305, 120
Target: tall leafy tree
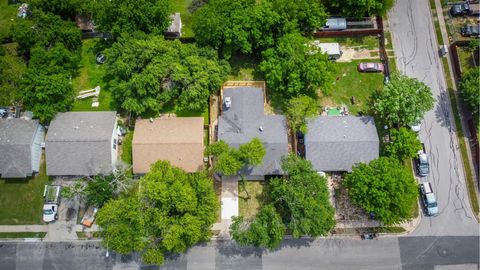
66, 9
127, 16
294, 68
229, 160
47, 94
265, 230
299, 110
225, 25
47, 87
355, 8
469, 89
149, 72
45, 29
247, 25
403, 101
404, 145
170, 212
302, 199
383, 187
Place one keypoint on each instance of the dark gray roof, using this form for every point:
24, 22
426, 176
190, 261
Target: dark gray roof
79, 143
16, 138
242, 122
336, 143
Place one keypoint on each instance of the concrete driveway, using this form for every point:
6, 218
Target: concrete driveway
64, 228
416, 49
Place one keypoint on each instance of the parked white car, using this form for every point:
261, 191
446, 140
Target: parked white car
50, 212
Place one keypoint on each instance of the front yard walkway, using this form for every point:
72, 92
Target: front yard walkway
229, 207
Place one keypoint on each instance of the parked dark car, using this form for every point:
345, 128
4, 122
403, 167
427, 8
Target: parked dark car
370, 67
460, 9
470, 30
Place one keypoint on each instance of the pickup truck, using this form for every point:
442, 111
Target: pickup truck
51, 195
429, 199
421, 161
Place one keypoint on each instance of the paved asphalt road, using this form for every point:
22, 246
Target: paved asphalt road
416, 50
328, 253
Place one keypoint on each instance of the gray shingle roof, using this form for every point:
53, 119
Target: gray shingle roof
337, 143
79, 143
16, 138
242, 121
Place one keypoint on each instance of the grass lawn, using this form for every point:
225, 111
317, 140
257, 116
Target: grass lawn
466, 58
182, 7
249, 202
126, 155
245, 68
8, 13
368, 42
353, 83
90, 75
22, 199
171, 108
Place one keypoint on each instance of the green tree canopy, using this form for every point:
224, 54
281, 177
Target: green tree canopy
66, 9
469, 91
127, 16
247, 25
171, 212
355, 8
45, 29
383, 187
404, 145
294, 68
265, 230
402, 101
149, 72
299, 110
47, 94
229, 160
302, 199
46, 87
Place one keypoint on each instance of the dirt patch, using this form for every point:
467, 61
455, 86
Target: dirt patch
345, 209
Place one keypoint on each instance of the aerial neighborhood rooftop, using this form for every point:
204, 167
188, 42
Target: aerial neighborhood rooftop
228, 134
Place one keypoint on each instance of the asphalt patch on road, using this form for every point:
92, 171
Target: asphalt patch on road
426, 252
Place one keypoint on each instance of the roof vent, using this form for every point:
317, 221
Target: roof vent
260, 128
75, 127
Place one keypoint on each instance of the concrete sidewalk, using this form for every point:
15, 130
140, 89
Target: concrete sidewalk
23, 228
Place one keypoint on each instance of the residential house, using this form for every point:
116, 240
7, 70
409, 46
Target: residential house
82, 143
20, 147
337, 143
243, 118
176, 139
175, 28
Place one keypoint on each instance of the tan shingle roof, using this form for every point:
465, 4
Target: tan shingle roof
176, 139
